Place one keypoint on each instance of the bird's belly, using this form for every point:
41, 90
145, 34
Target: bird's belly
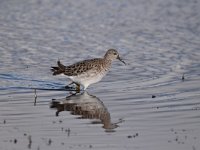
88, 78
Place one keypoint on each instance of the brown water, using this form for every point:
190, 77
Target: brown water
143, 105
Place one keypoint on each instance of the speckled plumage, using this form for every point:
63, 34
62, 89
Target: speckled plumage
87, 72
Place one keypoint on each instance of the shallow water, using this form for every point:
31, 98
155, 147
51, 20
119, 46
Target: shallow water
159, 40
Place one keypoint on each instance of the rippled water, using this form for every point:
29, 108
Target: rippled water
143, 105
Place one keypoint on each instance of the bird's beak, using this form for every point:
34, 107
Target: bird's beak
120, 59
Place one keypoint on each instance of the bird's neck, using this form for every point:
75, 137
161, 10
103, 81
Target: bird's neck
107, 58
107, 62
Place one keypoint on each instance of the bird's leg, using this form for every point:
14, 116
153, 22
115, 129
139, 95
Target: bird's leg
77, 87
68, 86
71, 83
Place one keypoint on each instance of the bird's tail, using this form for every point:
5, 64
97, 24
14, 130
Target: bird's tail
59, 69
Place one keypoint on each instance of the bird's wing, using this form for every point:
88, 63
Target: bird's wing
82, 66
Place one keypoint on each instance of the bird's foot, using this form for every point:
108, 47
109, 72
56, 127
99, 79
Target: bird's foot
77, 88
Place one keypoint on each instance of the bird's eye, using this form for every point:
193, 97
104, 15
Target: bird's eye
115, 53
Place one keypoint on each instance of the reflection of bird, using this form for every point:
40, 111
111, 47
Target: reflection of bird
87, 106
88, 71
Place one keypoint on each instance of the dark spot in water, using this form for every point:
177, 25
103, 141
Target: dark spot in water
132, 136
183, 78
57, 113
49, 142
153, 96
25, 134
15, 141
68, 131
29, 141
4, 121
